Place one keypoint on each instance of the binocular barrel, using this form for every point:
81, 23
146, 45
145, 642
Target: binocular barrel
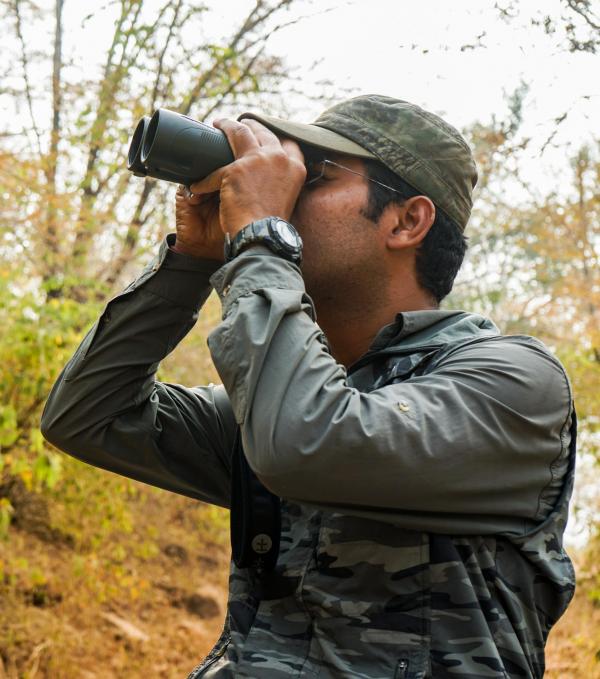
176, 148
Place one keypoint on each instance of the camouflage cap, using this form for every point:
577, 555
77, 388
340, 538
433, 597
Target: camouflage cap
417, 145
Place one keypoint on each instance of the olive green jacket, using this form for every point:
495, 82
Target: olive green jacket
424, 490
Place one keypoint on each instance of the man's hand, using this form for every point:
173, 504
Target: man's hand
198, 230
264, 180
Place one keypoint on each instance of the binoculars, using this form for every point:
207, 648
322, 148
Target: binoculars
176, 148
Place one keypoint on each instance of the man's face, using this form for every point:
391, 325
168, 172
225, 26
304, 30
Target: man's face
342, 249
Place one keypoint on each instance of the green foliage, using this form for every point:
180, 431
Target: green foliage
6, 512
213, 522
584, 370
47, 468
9, 430
38, 337
91, 505
594, 596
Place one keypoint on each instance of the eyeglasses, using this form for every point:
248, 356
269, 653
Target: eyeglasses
315, 175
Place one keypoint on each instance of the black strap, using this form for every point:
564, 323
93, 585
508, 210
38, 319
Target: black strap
572, 450
255, 516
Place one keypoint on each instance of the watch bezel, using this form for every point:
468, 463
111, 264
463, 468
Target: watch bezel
265, 231
279, 240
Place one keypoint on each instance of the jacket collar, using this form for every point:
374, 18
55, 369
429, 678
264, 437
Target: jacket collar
426, 329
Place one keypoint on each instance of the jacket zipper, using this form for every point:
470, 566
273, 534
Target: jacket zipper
205, 664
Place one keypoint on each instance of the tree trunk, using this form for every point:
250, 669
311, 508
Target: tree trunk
51, 230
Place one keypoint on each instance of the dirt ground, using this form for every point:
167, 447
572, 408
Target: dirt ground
146, 600
573, 650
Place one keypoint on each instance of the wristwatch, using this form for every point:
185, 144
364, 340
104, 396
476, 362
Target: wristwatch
277, 234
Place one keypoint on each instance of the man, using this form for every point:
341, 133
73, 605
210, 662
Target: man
420, 463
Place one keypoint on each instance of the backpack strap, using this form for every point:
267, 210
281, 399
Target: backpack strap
255, 519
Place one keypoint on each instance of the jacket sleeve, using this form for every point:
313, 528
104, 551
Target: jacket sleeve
479, 444
107, 409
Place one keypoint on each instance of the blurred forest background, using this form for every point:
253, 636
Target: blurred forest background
104, 577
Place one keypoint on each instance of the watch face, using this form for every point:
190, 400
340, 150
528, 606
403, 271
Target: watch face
286, 233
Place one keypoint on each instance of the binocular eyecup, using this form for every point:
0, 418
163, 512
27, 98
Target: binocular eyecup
176, 148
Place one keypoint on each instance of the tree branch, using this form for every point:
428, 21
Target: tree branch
253, 20
111, 79
51, 229
25, 65
233, 85
163, 52
133, 234
575, 5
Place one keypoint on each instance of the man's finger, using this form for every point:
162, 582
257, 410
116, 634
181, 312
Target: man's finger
209, 184
182, 191
203, 198
293, 149
263, 134
240, 137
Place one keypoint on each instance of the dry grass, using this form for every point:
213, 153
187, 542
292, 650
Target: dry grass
144, 600
573, 649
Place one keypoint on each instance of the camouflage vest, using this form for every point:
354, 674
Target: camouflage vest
354, 597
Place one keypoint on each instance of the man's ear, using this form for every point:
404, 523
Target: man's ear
406, 225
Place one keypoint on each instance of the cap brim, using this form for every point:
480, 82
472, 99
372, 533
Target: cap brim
314, 135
